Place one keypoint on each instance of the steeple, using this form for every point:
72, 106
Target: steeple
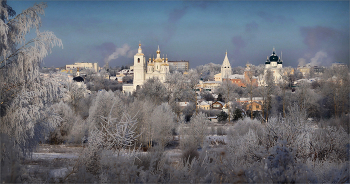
139, 51
158, 52
226, 67
226, 61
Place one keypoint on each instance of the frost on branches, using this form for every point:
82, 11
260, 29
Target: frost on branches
113, 134
23, 94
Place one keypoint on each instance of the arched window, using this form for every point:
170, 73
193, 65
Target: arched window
138, 60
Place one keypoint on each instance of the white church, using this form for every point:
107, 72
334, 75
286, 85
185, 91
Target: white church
274, 64
226, 70
154, 68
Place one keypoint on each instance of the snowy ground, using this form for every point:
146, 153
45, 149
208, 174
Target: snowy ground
51, 163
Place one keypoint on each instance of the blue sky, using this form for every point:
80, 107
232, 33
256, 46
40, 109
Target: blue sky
315, 32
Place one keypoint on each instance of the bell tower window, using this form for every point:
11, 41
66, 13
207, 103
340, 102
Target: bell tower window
138, 60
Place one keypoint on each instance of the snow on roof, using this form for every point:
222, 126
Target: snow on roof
215, 82
183, 104
222, 103
236, 76
203, 103
248, 99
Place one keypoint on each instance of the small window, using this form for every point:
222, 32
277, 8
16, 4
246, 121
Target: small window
257, 106
138, 60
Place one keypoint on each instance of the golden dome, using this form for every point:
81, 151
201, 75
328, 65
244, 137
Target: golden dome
158, 60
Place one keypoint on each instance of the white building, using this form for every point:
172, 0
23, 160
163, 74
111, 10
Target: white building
179, 65
274, 64
93, 66
226, 70
154, 68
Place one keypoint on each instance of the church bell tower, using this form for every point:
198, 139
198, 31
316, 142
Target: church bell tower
139, 68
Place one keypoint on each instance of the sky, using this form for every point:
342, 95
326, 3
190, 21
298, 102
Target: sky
314, 32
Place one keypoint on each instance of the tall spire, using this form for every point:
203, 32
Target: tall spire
226, 67
226, 62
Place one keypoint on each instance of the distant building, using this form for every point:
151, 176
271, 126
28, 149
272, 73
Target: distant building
274, 64
226, 70
241, 80
305, 70
218, 105
179, 65
217, 77
83, 65
236, 79
208, 85
339, 65
319, 70
204, 105
254, 106
154, 68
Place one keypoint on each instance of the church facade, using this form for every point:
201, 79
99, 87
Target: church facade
274, 64
154, 68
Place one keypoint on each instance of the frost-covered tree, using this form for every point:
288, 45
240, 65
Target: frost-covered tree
208, 71
65, 122
229, 92
102, 106
23, 94
193, 133
266, 92
163, 122
153, 89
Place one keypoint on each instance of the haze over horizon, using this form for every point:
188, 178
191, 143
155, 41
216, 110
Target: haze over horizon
315, 32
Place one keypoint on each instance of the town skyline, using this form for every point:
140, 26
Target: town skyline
200, 32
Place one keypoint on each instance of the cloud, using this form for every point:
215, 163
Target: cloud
320, 58
121, 51
171, 25
314, 37
325, 45
238, 42
250, 27
105, 48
